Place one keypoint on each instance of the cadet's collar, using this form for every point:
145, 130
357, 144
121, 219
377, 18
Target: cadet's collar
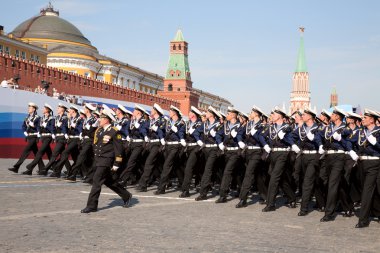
106, 127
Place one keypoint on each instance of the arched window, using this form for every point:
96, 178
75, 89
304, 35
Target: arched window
174, 47
179, 47
170, 87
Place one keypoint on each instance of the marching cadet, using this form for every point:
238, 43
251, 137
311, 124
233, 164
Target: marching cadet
174, 139
156, 135
335, 144
232, 141
47, 129
108, 150
254, 140
212, 131
138, 133
60, 136
74, 131
310, 142
281, 141
368, 142
86, 154
31, 128
192, 149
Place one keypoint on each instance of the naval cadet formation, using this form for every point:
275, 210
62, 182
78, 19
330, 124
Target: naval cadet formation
327, 162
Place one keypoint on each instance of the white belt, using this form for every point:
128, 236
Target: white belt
45, 134
253, 147
281, 149
172, 142
335, 152
210, 145
369, 157
347, 153
59, 134
155, 140
73, 137
232, 148
32, 134
309, 151
86, 137
137, 140
191, 144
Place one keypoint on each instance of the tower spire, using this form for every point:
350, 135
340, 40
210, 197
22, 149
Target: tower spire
301, 60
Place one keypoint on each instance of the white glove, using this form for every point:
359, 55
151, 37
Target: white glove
310, 136
53, 136
183, 142
59, 124
163, 142
26, 134
241, 144
337, 136
88, 126
38, 135
114, 168
44, 124
66, 136
174, 128
233, 133
281, 134
128, 138
253, 131
191, 131
146, 139
212, 132
31, 123
154, 128
137, 124
295, 148
267, 148
118, 127
96, 124
221, 146
372, 139
80, 136
200, 143
321, 151
353, 155
73, 125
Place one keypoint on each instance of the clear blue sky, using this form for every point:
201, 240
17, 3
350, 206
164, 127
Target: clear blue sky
245, 51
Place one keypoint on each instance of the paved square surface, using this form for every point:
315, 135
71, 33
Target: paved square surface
40, 214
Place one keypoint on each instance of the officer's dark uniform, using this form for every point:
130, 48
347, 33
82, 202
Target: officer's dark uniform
212, 137
60, 137
156, 133
108, 150
278, 161
175, 131
123, 125
31, 128
192, 151
72, 148
138, 130
309, 140
335, 159
254, 140
369, 162
86, 152
233, 134
47, 129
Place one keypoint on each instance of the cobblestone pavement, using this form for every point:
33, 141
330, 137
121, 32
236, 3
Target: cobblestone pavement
39, 214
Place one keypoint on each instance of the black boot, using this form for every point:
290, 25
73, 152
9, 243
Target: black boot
242, 203
15, 170
184, 194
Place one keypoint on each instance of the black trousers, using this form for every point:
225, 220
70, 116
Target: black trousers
211, 158
335, 172
193, 159
171, 155
253, 161
153, 150
371, 172
44, 149
58, 149
231, 159
72, 149
86, 152
310, 168
103, 176
31, 146
278, 165
134, 154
